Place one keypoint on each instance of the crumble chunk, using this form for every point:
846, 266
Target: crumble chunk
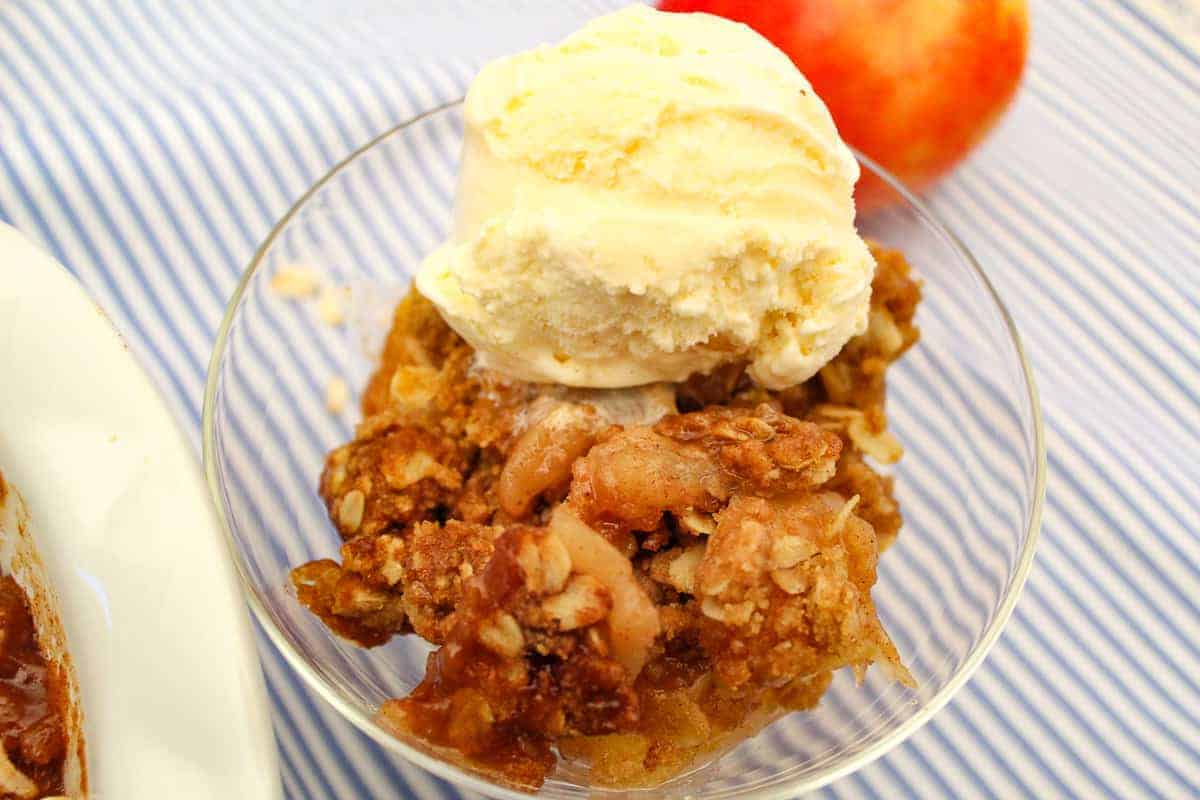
635, 578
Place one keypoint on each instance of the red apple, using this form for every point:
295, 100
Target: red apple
914, 84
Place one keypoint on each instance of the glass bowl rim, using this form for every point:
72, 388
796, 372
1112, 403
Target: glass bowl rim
351, 710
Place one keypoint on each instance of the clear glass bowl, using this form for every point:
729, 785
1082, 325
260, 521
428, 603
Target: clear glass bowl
962, 402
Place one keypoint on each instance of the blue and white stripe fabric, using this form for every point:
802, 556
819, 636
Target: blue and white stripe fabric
152, 145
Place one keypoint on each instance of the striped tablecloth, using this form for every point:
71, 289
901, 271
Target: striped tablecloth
150, 146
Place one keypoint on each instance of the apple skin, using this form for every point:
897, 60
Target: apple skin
914, 84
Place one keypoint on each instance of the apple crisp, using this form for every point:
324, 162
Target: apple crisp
630, 579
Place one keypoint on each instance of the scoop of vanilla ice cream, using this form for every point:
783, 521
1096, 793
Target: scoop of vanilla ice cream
654, 196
